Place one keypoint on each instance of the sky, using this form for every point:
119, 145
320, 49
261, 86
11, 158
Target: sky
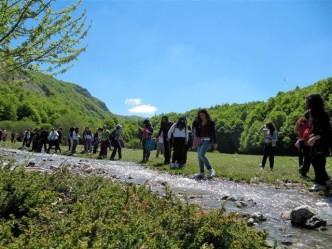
151, 57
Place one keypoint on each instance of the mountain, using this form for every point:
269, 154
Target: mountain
238, 125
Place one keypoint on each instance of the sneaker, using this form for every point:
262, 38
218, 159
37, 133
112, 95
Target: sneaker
317, 188
211, 173
174, 165
199, 176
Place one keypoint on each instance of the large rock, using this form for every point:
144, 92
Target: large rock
300, 215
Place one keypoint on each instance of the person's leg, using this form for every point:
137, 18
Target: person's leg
69, 144
73, 147
166, 151
319, 165
175, 156
265, 155
271, 157
206, 146
119, 151
182, 155
115, 148
306, 161
301, 154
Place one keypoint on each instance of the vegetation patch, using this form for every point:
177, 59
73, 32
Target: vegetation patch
61, 210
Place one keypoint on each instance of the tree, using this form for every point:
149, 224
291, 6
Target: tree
33, 33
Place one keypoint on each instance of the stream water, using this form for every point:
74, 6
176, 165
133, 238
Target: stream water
265, 199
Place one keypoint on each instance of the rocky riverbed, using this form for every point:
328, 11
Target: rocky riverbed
260, 205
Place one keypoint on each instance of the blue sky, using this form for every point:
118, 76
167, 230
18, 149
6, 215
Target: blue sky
147, 57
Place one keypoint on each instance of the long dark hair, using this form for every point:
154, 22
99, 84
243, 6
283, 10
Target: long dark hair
271, 127
315, 104
207, 115
164, 122
182, 123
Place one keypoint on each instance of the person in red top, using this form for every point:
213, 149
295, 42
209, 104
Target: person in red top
301, 128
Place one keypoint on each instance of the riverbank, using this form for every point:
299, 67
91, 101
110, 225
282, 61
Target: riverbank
234, 167
267, 200
61, 210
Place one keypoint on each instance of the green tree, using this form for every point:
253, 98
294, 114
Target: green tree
34, 33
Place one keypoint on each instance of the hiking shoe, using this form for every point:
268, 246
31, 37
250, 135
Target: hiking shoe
317, 188
211, 173
199, 176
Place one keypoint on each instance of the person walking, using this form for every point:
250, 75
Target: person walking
165, 125
301, 127
146, 136
115, 142
205, 133
104, 142
179, 135
53, 139
88, 141
75, 140
319, 138
96, 140
270, 143
13, 137
26, 138
70, 138
44, 138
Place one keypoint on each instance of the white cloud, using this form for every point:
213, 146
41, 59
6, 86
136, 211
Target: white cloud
133, 101
143, 109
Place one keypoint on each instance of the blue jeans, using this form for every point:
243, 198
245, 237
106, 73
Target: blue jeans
203, 161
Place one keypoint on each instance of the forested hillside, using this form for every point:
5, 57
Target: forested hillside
238, 124
32, 99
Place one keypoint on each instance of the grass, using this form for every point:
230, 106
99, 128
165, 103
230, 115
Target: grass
234, 167
61, 210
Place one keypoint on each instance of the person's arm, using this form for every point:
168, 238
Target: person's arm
274, 137
171, 131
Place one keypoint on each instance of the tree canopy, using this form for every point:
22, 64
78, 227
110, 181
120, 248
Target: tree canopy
33, 33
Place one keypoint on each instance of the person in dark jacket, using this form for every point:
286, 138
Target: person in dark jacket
115, 142
319, 139
146, 135
206, 133
165, 125
44, 138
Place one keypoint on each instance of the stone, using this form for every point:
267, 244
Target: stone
250, 222
315, 222
300, 215
258, 217
241, 204
31, 164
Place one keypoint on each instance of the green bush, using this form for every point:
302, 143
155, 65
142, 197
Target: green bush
63, 211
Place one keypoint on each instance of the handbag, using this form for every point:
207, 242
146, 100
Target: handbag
150, 145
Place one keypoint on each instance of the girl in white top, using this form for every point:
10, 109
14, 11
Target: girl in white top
178, 134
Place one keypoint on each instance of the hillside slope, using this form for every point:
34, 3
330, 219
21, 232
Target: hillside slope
45, 100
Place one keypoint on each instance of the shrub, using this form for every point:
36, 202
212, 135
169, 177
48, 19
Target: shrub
64, 211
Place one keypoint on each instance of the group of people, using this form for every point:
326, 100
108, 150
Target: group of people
175, 139
42, 140
101, 140
314, 131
